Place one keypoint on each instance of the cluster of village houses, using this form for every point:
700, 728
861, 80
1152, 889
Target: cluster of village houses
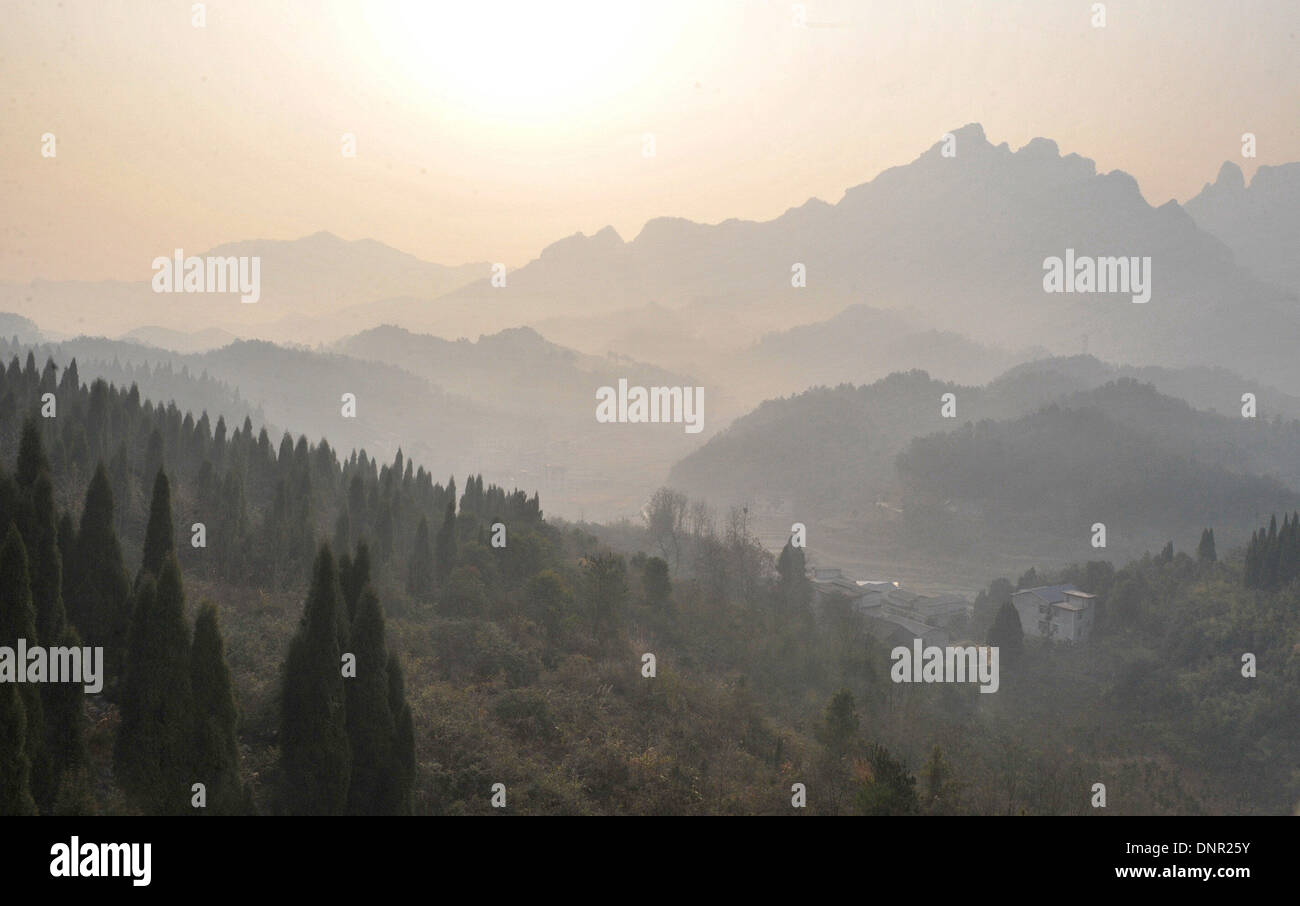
1057, 612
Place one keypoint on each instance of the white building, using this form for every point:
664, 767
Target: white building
1058, 612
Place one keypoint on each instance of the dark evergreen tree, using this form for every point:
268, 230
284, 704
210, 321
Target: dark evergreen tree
793, 587
891, 789
1205, 550
41, 538
445, 548
65, 739
342, 533
15, 766
369, 719
402, 780
657, 584
840, 724
153, 756
216, 748
159, 536
354, 576
1006, 633
100, 600
420, 573
315, 758
31, 454
18, 621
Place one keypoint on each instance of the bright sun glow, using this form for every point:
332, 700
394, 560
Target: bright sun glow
520, 59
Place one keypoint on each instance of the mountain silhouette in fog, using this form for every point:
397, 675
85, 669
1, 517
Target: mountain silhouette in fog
1260, 223
956, 244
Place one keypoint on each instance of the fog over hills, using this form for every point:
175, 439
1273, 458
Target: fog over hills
516, 407
306, 286
956, 245
883, 458
935, 265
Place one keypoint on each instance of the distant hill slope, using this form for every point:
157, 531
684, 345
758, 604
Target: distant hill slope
306, 286
883, 452
1062, 469
524, 413
24, 329
180, 340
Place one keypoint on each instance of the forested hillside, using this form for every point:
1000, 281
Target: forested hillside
353, 637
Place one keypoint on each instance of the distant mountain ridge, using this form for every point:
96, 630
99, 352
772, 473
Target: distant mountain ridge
1260, 223
957, 244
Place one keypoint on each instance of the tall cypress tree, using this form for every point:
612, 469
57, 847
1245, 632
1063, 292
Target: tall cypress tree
63, 703
31, 454
794, 589
445, 548
100, 602
159, 536
42, 541
216, 747
15, 768
1006, 633
65, 713
1205, 549
369, 720
354, 575
315, 759
419, 580
18, 621
153, 756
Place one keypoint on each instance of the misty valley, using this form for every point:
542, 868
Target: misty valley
638, 409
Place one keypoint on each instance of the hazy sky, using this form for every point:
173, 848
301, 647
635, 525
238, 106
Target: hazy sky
486, 130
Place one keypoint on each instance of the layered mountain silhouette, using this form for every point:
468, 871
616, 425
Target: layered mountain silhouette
956, 244
306, 286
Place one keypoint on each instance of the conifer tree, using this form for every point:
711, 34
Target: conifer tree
18, 621
657, 584
891, 790
342, 533
354, 576
216, 747
15, 768
1006, 633
369, 720
315, 759
100, 602
42, 541
419, 580
62, 712
840, 724
1205, 550
31, 454
65, 720
445, 548
794, 588
153, 756
159, 537
1250, 571
403, 773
